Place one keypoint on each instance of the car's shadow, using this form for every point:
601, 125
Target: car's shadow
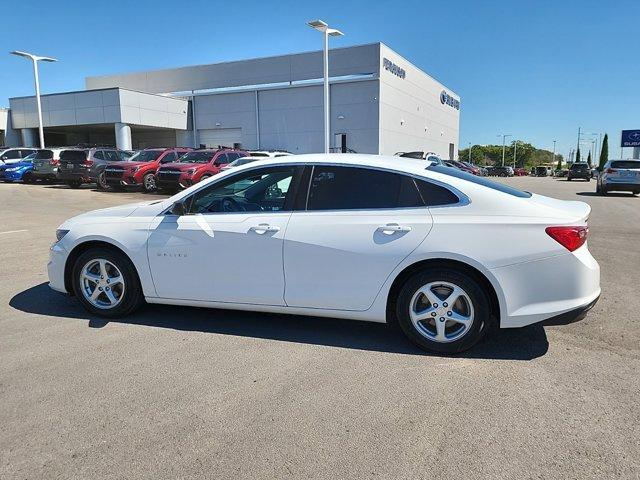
511, 344
610, 194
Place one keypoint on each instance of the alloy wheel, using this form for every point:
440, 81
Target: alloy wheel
441, 312
149, 182
102, 283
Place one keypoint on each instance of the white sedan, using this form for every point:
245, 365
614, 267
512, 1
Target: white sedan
384, 239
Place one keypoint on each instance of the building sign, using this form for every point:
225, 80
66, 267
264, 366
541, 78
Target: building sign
447, 99
393, 68
630, 138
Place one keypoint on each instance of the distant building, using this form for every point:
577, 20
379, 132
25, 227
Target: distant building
380, 103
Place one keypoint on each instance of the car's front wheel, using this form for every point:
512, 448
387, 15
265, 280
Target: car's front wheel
74, 183
149, 183
443, 310
106, 283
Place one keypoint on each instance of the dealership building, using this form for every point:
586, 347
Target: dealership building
380, 103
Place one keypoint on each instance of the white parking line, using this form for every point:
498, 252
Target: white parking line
13, 231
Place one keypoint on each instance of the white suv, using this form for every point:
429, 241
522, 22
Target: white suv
14, 155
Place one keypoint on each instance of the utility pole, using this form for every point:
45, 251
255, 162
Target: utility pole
515, 149
503, 145
469, 152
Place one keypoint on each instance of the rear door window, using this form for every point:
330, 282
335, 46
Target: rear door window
169, 157
352, 188
98, 155
112, 156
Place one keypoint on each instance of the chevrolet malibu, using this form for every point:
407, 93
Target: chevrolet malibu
442, 253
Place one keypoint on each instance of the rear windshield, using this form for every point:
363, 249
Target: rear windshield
44, 155
73, 155
454, 172
196, 157
628, 164
577, 166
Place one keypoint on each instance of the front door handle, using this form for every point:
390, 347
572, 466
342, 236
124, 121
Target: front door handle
264, 228
391, 228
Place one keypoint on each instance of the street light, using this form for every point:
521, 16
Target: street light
469, 152
554, 151
327, 32
35, 59
503, 146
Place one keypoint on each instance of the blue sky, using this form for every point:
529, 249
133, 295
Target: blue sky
536, 70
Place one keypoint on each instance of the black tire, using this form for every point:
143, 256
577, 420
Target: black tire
598, 190
474, 291
74, 183
101, 182
604, 191
147, 185
28, 178
204, 177
132, 297
568, 179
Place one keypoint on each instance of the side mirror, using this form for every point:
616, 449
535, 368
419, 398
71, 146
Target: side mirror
178, 209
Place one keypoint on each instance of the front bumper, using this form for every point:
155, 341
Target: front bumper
547, 288
55, 267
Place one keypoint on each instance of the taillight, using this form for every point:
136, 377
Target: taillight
54, 161
87, 163
570, 238
611, 170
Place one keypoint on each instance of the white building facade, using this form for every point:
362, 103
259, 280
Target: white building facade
379, 103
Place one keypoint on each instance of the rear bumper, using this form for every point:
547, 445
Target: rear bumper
571, 316
66, 176
621, 187
547, 288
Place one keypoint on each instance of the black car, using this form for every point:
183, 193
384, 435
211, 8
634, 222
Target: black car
579, 170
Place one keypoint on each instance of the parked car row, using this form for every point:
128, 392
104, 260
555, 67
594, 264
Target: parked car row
151, 169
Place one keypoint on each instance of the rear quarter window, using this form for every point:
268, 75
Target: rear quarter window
453, 172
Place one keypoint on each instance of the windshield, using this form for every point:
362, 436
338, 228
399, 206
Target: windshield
479, 181
146, 156
196, 157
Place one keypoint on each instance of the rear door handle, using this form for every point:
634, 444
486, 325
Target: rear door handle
391, 228
264, 228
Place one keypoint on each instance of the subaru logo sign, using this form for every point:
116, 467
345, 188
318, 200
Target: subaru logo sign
447, 99
393, 68
630, 138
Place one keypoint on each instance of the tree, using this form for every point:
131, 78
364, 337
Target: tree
604, 153
578, 155
589, 159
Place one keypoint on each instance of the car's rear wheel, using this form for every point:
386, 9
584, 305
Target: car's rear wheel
28, 178
443, 310
149, 183
106, 283
101, 181
74, 183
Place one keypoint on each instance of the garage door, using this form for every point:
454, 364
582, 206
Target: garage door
220, 136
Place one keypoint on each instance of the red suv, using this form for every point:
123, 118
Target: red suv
195, 166
140, 170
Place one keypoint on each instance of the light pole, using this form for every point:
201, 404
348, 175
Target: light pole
35, 59
554, 152
503, 145
515, 149
327, 32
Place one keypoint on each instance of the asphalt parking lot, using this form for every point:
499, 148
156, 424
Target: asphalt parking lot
188, 393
